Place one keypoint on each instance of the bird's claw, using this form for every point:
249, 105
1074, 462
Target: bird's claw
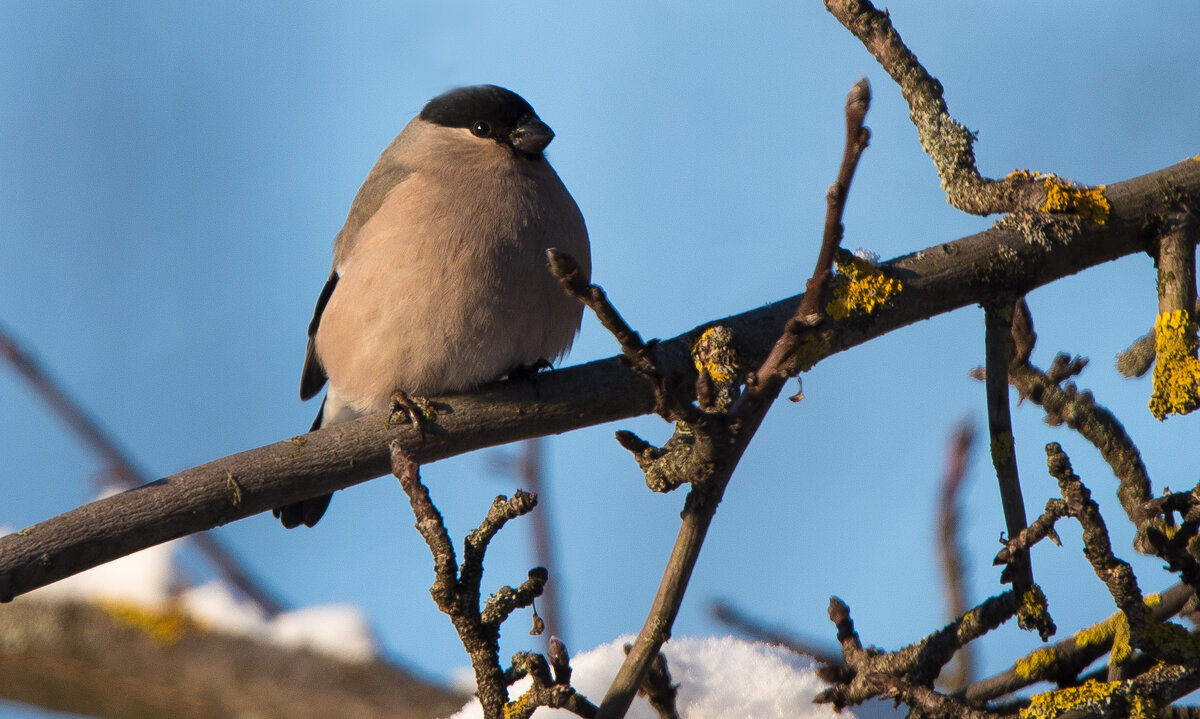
411, 410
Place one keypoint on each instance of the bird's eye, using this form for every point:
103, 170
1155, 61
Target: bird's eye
481, 129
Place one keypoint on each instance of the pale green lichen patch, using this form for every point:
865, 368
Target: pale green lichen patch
1176, 367
1171, 637
1002, 447
860, 288
812, 350
1122, 648
1114, 631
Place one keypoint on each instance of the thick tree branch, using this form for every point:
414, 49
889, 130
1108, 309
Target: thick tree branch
944, 277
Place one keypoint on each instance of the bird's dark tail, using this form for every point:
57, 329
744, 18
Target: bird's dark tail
307, 511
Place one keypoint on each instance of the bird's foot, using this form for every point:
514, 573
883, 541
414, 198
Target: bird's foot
412, 410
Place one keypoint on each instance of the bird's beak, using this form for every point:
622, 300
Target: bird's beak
531, 136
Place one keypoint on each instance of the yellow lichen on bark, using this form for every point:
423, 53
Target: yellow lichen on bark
713, 353
1090, 694
1176, 367
860, 288
1067, 197
520, 707
1038, 661
1033, 611
1087, 202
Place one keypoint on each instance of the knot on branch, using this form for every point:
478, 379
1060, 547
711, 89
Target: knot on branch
669, 466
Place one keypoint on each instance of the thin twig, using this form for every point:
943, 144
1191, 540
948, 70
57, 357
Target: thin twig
1137, 359
999, 348
637, 353
530, 466
1041, 528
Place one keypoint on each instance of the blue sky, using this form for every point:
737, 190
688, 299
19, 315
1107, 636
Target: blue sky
174, 175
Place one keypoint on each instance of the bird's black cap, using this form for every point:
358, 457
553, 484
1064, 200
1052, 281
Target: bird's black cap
464, 106
490, 111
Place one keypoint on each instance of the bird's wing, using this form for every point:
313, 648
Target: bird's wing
382, 179
312, 379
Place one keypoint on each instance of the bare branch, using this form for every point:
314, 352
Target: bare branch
1064, 404
918, 663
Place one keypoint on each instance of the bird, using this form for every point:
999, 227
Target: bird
440, 278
